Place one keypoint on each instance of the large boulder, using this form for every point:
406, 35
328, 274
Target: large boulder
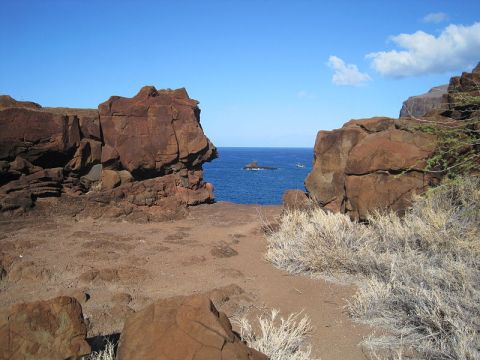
154, 133
182, 328
420, 105
43, 330
368, 165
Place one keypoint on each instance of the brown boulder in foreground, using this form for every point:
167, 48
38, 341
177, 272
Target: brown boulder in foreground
182, 328
44, 330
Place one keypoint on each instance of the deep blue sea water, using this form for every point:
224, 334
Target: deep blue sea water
264, 187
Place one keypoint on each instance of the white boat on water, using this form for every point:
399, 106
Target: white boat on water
300, 166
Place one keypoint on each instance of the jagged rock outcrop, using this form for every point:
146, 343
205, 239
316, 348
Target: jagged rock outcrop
52, 329
137, 141
356, 168
380, 163
182, 328
463, 93
420, 105
154, 133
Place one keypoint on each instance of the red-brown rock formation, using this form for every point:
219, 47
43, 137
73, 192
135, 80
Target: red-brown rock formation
182, 328
155, 132
379, 163
138, 141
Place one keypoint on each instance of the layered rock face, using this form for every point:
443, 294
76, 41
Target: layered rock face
142, 150
420, 105
462, 97
182, 328
379, 163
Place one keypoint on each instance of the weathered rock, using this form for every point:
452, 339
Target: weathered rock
154, 133
296, 200
182, 328
88, 120
23, 166
110, 158
21, 193
43, 138
326, 182
88, 153
110, 179
381, 191
168, 191
95, 173
461, 91
380, 163
49, 330
420, 105
7, 101
125, 177
393, 150
369, 164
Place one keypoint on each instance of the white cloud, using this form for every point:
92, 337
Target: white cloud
435, 18
346, 74
456, 48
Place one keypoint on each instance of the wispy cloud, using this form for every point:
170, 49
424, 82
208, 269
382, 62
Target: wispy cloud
456, 48
346, 74
303, 94
435, 18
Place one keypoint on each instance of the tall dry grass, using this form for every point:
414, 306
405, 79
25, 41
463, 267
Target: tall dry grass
419, 276
278, 338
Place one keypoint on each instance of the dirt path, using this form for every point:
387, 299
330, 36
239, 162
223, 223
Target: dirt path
124, 266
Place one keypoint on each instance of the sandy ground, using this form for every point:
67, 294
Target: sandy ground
123, 266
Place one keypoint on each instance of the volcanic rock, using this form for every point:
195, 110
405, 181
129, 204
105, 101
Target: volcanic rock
110, 179
155, 132
128, 144
296, 200
420, 105
182, 328
463, 93
380, 163
53, 329
43, 138
369, 164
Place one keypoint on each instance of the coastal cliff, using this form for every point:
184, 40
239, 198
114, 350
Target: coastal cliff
381, 163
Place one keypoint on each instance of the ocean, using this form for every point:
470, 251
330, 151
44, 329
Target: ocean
265, 187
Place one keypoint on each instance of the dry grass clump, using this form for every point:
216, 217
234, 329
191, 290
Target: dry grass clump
279, 339
419, 275
107, 353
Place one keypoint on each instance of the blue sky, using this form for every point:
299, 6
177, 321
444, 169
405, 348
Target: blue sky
266, 73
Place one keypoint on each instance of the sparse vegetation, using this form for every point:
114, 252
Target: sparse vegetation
278, 338
107, 353
457, 150
418, 276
